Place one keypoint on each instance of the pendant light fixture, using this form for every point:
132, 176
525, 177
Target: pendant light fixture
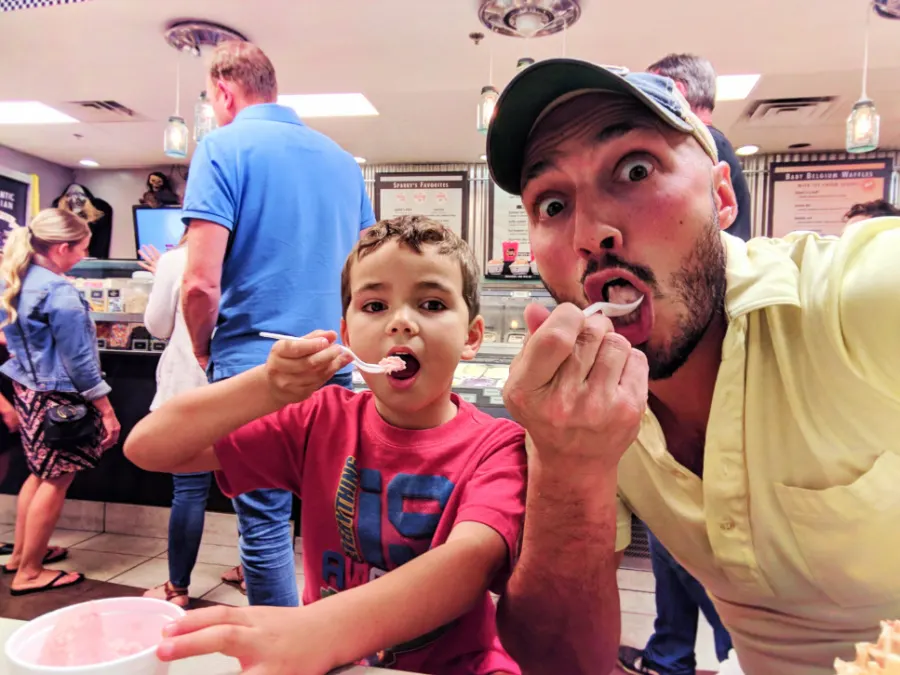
204, 117
489, 94
523, 63
864, 122
175, 138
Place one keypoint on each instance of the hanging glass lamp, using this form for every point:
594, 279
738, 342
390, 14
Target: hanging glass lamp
486, 106
204, 117
175, 139
523, 63
862, 127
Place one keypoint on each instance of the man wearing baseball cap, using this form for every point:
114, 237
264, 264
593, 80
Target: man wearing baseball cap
748, 410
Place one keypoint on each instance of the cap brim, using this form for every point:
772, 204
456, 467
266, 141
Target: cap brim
531, 92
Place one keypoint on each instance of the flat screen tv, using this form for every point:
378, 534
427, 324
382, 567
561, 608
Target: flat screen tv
160, 227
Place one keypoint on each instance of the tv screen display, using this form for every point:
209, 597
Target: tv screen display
161, 227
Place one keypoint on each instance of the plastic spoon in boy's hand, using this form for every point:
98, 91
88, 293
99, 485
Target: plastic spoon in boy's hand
612, 310
387, 365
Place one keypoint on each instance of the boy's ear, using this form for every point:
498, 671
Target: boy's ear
474, 339
345, 337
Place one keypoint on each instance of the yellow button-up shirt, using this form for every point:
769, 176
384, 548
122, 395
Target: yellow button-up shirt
794, 529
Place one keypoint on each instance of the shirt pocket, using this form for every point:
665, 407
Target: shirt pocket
847, 534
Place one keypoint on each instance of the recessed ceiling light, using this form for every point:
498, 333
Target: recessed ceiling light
747, 150
32, 112
329, 105
90, 163
360, 160
483, 158
735, 87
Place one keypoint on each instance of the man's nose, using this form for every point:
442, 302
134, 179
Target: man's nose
594, 233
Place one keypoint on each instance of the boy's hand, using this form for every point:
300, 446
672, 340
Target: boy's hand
297, 368
266, 640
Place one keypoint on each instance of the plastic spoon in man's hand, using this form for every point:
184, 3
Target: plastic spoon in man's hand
612, 310
389, 364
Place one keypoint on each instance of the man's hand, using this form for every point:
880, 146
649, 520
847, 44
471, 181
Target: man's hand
297, 368
578, 388
266, 640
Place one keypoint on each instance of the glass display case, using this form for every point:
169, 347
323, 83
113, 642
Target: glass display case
118, 291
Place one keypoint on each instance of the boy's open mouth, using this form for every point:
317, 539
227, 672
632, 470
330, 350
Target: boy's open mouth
411, 367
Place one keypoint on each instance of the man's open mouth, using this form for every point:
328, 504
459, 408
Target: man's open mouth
621, 292
410, 369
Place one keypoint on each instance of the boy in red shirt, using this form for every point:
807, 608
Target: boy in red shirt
412, 498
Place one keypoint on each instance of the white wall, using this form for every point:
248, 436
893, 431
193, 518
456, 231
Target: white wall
123, 188
53, 178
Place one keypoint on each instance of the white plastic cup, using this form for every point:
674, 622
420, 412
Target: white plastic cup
23, 648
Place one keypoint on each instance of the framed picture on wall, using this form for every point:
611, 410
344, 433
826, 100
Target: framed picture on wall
814, 196
442, 196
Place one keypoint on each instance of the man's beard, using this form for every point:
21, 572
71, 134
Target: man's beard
697, 289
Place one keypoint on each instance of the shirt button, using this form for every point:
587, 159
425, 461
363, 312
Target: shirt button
727, 525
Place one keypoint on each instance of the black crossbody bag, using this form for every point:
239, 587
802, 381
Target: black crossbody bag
65, 426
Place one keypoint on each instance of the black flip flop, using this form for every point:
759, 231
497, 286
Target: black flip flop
49, 559
51, 586
6, 549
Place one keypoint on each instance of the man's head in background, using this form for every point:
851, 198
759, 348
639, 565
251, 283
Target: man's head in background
695, 78
866, 210
240, 75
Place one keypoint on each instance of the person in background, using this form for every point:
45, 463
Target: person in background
878, 208
696, 80
177, 372
10, 420
412, 498
273, 209
54, 362
748, 411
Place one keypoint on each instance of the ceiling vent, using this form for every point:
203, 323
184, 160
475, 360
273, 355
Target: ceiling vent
783, 112
528, 18
98, 112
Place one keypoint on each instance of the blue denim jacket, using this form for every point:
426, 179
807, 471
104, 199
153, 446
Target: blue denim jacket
61, 337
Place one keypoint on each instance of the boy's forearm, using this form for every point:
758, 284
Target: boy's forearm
190, 423
424, 594
5, 406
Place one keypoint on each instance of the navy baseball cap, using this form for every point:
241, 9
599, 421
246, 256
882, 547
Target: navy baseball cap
542, 87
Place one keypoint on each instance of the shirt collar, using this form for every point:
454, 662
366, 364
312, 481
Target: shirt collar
269, 111
759, 273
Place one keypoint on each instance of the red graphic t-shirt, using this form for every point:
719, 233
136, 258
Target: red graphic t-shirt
376, 496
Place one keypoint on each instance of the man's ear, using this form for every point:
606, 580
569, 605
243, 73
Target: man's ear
724, 197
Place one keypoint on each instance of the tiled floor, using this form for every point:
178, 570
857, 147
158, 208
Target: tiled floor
142, 562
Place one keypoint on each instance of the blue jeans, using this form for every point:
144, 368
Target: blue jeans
679, 600
186, 524
267, 541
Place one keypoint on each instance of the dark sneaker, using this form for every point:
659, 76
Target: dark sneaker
631, 660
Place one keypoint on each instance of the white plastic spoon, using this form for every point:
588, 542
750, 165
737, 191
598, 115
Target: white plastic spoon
389, 364
612, 310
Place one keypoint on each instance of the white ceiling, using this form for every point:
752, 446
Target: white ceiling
414, 61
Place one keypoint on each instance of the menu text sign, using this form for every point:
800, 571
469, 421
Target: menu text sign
443, 197
814, 196
508, 222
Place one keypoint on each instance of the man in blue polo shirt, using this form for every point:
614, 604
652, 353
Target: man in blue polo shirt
273, 208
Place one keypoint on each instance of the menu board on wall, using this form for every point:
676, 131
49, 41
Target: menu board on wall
509, 222
814, 196
441, 196
13, 204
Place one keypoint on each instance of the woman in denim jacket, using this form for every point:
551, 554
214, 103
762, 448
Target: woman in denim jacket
54, 361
